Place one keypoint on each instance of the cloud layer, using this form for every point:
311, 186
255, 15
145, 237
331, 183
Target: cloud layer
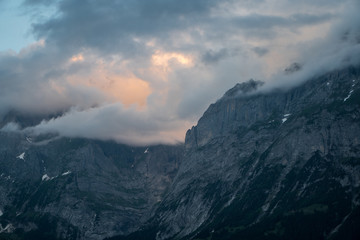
143, 71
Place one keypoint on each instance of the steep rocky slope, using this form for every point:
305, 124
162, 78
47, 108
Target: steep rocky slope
77, 188
271, 165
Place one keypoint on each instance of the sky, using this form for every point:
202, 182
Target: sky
142, 72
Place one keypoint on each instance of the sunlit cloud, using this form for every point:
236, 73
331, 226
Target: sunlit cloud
165, 59
77, 58
127, 88
32, 47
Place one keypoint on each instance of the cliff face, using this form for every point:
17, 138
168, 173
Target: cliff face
77, 188
276, 165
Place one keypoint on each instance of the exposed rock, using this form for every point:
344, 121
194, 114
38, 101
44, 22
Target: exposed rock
293, 68
81, 189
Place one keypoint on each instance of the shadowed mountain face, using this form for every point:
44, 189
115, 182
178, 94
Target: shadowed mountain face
276, 165
79, 189
280, 165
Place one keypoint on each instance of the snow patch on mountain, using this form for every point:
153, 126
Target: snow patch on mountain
285, 118
66, 173
351, 91
349, 95
7, 229
45, 177
21, 156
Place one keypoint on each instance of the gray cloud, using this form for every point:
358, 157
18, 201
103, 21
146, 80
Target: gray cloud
340, 48
109, 122
27, 83
116, 25
256, 21
39, 2
306, 3
113, 26
260, 51
211, 56
10, 127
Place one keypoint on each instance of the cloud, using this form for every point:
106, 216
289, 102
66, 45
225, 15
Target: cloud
10, 127
270, 21
214, 56
39, 2
114, 122
31, 82
260, 51
126, 26
114, 26
340, 48
142, 72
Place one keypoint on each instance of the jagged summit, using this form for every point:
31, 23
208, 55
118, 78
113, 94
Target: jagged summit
294, 67
243, 88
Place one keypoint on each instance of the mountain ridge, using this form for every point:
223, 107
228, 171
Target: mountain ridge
251, 162
78, 188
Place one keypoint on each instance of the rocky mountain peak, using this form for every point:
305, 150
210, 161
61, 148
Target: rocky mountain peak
294, 67
243, 88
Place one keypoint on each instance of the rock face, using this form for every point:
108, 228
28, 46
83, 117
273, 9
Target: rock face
276, 165
77, 188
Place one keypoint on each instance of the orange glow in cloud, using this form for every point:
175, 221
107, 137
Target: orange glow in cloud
32, 47
117, 83
57, 87
163, 59
129, 90
125, 89
77, 58
112, 79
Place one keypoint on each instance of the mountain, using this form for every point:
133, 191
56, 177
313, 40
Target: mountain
269, 165
77, 188
280, 164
